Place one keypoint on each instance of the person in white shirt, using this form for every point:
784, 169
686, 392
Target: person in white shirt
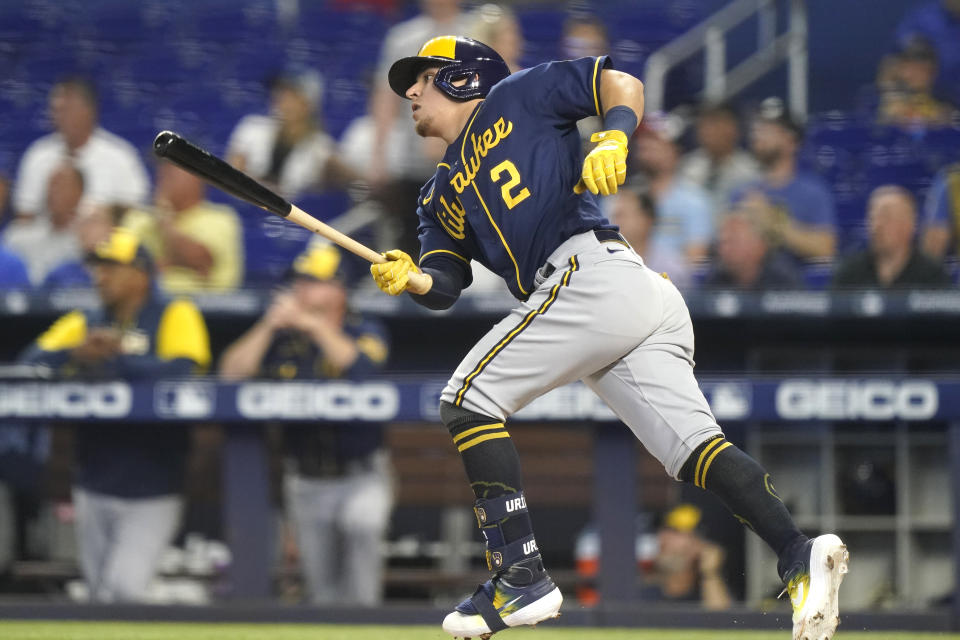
719, 164
288, 150
111, 166
46, 242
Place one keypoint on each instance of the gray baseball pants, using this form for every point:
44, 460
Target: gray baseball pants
604, 318
121, 540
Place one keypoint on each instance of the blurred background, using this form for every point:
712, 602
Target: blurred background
200, 404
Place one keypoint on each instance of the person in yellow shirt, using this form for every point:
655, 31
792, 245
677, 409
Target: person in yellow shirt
198, 244
129, 477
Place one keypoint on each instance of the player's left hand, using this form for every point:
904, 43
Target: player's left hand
393, 276
605, 167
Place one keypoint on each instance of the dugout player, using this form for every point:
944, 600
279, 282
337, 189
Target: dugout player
337, 487
511, 194
129, 480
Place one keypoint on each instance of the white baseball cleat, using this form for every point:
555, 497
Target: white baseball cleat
813, 585
497, 605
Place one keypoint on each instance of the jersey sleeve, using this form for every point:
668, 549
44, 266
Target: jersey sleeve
562, 91
937, 205
439, 251
182, 333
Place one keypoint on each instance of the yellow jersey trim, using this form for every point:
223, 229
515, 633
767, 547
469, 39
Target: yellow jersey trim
182, 333
516, 268
490, 436
596, 76
68, 332
457, 255
442, 164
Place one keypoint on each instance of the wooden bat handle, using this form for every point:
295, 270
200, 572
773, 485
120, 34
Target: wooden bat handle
419, 282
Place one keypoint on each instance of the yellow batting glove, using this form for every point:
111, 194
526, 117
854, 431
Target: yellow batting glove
392, 276
605, 167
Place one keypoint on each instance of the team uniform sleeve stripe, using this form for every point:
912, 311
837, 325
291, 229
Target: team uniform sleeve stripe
490, 436
66, 333
443, 164
469, 432
456, 255
596, 84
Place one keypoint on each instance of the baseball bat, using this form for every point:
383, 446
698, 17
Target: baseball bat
210, 168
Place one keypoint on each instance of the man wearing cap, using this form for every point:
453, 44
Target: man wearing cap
128, 477
337, 489
800, 215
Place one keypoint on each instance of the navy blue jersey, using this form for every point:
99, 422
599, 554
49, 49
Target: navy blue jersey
503, 195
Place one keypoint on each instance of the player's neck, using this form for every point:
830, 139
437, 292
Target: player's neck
459, 120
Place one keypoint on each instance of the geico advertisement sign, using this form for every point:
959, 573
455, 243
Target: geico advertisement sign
65, 400
330, 401
861, 399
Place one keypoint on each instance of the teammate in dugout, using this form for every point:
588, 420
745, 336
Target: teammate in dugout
511, 193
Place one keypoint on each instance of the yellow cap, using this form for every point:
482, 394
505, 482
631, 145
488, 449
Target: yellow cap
683, 517
122, 247
319, 262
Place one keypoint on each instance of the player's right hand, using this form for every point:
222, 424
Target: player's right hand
605, 167
393, 276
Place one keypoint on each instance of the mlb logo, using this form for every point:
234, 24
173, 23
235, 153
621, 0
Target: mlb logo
729, 400
184, 400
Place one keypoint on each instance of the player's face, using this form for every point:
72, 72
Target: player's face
770, 142
430, 106
328, 299
116, 282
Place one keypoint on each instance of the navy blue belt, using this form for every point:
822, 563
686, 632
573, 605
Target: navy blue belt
603, 235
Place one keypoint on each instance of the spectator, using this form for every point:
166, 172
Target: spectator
111, 167
745, 259
687, 565
93, 227
718, 164
801, 214
585, 35
438, 17
684, 218
942, 212
129, 476
198, 244
676, 561
938, 22
13, 272
496, 25
891, 261
636, 215
288, 150
398, 160
46, 242
906, 90
338, 491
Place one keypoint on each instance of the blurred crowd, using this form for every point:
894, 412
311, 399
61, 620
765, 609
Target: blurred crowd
717, 196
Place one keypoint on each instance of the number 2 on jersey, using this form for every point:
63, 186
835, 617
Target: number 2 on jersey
508, 167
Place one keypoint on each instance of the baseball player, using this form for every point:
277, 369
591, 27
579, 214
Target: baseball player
514, 193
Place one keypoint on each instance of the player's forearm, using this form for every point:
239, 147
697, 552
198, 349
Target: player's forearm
339, 349
184, 251
621, 89
809, 243
443, 292
242, 359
